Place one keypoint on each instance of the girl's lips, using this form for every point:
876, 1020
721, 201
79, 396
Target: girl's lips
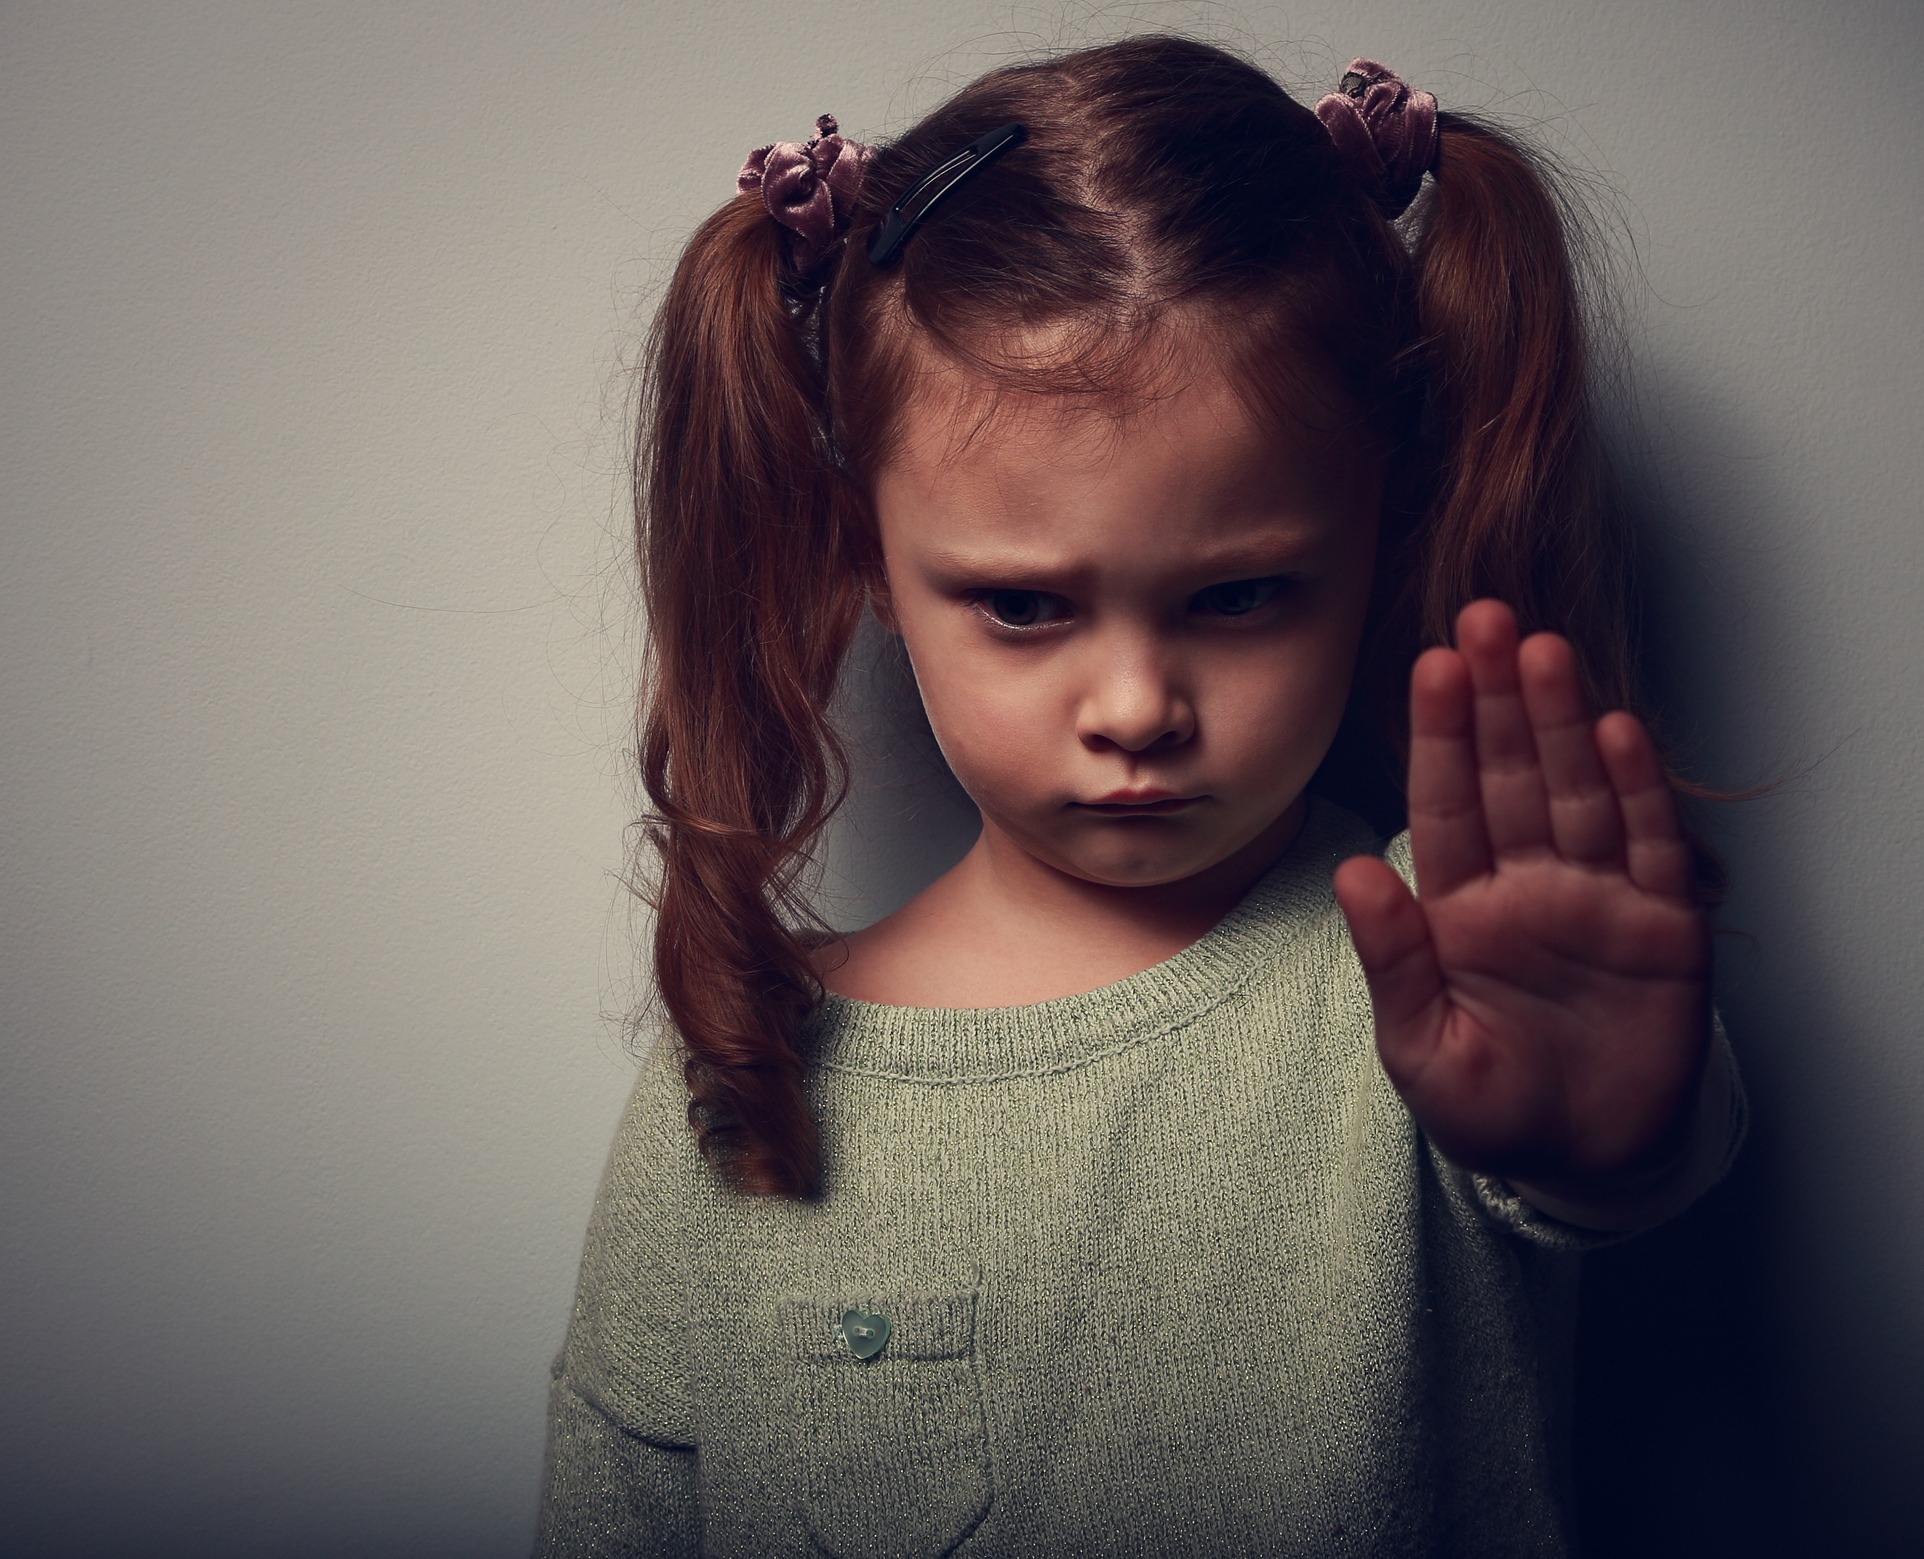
1150, 802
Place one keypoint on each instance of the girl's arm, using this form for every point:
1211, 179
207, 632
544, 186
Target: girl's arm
608, 1493
1542, 1002
623, 1462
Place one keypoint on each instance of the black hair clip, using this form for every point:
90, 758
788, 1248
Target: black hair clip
894, 232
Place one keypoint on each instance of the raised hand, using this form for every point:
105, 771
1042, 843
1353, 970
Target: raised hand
1542, 1003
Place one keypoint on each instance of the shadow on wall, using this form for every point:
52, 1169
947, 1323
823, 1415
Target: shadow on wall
1703, 1426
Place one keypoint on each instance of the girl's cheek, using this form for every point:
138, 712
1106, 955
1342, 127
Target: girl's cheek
992, 737
994, 730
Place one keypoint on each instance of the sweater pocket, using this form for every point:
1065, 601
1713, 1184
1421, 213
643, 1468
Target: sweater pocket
891, 1454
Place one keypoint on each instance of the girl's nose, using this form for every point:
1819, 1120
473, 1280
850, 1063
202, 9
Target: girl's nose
1134, 702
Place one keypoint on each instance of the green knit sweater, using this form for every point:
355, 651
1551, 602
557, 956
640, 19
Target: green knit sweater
1166, 1268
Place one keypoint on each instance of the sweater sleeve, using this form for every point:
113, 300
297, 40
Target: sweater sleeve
622, 1464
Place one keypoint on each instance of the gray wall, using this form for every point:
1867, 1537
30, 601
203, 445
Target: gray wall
316, 643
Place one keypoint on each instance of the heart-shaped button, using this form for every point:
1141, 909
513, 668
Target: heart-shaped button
865, 1334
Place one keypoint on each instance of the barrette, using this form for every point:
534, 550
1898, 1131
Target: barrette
930, 189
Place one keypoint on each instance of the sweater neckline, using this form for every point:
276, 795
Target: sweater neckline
984, 1044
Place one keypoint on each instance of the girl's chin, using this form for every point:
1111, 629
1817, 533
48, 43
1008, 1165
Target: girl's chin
1154, 852
1140, 868
1114, 850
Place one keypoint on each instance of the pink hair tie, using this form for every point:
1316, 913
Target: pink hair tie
809, 187
1385, 133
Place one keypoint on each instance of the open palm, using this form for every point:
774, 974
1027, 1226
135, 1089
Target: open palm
1542, 1002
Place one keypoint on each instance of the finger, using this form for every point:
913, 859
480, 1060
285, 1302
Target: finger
1399, 963
1656, 854
1447, 837
1516, 810
1585, 823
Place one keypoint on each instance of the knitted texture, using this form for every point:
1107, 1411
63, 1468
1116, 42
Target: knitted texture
1167, 1267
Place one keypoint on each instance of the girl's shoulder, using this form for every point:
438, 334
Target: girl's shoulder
1396, 850
1346, 833
654, 1146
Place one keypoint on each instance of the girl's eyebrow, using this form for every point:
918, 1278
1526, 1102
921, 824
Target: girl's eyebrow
954, 565
1243, 557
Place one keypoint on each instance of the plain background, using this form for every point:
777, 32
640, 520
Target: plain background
315, 639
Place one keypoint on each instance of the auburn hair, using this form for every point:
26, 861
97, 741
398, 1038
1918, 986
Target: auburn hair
1162, 181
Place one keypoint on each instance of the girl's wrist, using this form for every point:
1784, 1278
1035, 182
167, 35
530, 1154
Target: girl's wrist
1624, 1205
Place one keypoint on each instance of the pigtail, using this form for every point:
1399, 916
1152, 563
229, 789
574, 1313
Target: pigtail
1520, 503
751, 606
1517, 508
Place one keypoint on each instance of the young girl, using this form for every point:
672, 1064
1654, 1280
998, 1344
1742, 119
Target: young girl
1186, 1171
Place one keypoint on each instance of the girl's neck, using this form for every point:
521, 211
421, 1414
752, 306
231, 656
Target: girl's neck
1001, 928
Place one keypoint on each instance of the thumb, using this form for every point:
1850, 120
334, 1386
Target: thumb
1392, 939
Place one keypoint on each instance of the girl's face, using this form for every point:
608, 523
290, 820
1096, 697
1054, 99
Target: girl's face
1133, 634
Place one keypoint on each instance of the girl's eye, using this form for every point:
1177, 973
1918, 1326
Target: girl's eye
1021, 608
1238, 597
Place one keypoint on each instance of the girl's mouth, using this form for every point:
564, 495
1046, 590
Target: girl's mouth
1148, 804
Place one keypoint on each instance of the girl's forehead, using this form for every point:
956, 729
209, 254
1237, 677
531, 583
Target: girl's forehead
1158, 475
1039, 394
